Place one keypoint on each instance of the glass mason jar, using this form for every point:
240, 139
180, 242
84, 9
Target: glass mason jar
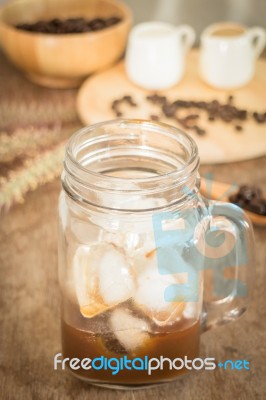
145, 262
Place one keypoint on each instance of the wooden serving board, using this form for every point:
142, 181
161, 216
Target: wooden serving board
221, 144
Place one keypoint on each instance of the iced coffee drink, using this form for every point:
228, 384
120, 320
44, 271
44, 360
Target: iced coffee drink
132, 252
118, 308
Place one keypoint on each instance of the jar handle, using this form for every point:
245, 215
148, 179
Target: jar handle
233, 272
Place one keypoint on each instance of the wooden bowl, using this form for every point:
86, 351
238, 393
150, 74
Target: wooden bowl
63, 60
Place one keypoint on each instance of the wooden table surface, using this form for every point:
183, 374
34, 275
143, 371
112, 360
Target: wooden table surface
30, 313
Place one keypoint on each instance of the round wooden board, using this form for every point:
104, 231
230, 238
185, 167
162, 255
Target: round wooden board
221, 144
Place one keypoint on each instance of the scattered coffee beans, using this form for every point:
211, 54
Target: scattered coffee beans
215, 110
250, 198
156, 99
260, 118
116, 104
70, 25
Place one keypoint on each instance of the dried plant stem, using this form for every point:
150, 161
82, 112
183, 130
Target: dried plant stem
36, 171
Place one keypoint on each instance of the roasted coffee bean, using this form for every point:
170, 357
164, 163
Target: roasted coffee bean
255, 114
230, 99
188, 120
184, 104
193, 104
199, 131
129, 100
215, 110
236, 199
202, 104
259, 118
250, 198
257, 206
55, 22
169, 110
156, 99
116, 102
226, 118
215, 104
179, 103
97, 24
70, 25
250, 192
191, 116
112, 21
246, 192
242, 114
239, 202
154, 117
125, 99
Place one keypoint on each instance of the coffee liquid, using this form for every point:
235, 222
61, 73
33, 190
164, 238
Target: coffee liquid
182, 339
228, 32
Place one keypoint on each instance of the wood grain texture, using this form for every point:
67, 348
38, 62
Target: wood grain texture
30, 313
222, 143
34, 124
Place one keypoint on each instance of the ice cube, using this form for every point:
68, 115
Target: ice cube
151, 286
131, 201
102, 278
133, 243
133, 234
116, 281
131, 332
85, 274
116, 238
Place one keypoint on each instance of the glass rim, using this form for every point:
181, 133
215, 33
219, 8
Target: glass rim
164, 129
